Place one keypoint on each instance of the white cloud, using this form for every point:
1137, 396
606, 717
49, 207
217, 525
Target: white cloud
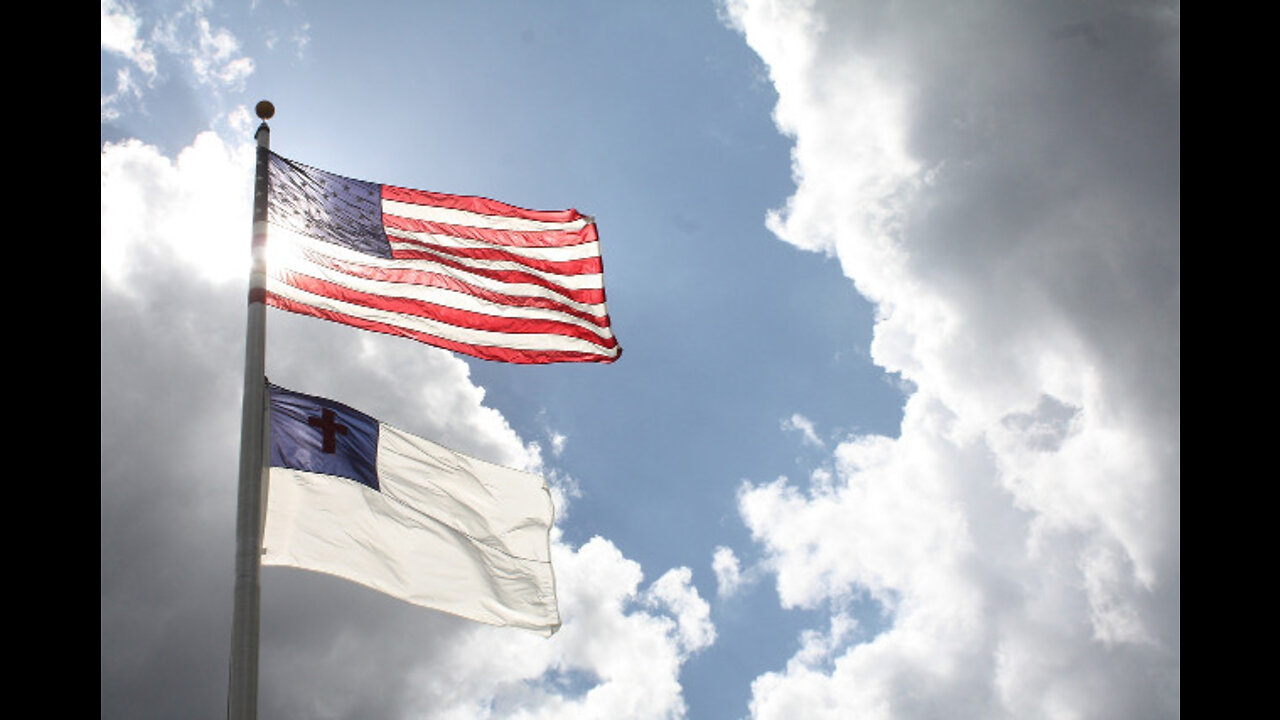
805, 427
633, 656
618, 654
183, 39
211, 54
300, 39
731, 577
1006, 193
724, 563
120, 35
121, 38
212, 185
214, 57
125, 89
674, 591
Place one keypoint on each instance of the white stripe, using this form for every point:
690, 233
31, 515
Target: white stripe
465, 217
553, 254
343, 254
446, 297
466, 335
589, 281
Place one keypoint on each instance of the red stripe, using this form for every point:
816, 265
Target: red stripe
448, 282
442, 313
475, 204
581, 266
512, 238
585, 295
497, 354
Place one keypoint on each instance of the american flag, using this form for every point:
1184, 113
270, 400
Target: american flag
464, 273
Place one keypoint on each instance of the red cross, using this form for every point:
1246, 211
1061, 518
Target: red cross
330, 428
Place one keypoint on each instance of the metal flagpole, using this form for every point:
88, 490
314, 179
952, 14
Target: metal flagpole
242, 688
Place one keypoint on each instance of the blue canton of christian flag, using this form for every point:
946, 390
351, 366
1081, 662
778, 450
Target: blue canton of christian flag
359, 499
464, 273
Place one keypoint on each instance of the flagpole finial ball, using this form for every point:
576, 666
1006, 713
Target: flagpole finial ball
265, 109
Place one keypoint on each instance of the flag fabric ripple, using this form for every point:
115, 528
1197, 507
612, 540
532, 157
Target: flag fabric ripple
355, 498
468, 274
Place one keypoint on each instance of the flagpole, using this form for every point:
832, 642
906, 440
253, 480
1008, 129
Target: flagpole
242, 688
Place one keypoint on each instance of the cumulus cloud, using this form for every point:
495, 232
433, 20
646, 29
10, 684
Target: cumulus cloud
618, 654
211, 54
558, 441
175, 245
183, 40
121, 39
724, 563
804, 426
674, 591
731, 576
210, 181
1002, 181
121, 36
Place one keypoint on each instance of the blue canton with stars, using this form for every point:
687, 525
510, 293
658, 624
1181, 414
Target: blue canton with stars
327, 207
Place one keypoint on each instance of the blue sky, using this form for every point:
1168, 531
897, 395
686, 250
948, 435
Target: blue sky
896, 424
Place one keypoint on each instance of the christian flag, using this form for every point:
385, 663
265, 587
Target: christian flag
353, 497
467, 274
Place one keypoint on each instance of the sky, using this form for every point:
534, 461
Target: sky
896, 428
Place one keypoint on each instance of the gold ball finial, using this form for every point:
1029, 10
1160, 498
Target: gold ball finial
265, 109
